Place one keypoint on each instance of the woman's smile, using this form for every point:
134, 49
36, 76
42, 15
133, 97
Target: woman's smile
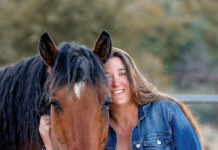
117, 92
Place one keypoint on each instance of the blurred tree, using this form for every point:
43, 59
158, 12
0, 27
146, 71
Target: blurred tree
168, 29
77, 20
158, 34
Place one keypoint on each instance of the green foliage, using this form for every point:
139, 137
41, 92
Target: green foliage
158, 34
65, 20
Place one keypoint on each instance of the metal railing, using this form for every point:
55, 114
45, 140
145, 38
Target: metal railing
196, 98
209, 99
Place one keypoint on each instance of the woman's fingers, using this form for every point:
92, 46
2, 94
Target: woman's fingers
44, 125
44, 130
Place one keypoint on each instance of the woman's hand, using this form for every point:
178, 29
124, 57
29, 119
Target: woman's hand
44, 130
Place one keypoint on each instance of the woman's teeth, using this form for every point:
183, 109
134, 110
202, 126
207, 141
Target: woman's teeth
118, 91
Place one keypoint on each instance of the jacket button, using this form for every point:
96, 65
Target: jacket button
137, 146
158, 142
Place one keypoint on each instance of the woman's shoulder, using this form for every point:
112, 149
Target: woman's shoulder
160, 107
163, 103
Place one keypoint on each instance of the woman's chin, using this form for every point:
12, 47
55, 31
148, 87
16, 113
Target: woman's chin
119, 102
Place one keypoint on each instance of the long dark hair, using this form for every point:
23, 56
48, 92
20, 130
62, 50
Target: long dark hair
21, 86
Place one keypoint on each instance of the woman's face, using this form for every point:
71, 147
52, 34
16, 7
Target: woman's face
118, 81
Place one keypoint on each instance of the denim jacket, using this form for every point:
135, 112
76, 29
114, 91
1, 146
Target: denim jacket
161, 126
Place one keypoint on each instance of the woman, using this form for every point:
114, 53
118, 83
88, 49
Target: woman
140, 116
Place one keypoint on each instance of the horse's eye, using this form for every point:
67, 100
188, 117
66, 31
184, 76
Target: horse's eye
106, 102
54, 103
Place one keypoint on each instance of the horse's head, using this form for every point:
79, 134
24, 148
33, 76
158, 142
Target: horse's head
78, 93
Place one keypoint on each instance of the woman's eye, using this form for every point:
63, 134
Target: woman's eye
108, 76
123, 74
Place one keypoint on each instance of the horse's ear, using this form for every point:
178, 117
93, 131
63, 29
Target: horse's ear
103, 46
47, 49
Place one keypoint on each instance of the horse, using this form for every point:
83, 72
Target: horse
69, 84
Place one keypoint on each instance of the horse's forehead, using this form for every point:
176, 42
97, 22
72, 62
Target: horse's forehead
78, 88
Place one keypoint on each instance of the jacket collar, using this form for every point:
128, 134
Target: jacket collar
142, 110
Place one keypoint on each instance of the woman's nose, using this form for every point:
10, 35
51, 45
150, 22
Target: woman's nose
115, 82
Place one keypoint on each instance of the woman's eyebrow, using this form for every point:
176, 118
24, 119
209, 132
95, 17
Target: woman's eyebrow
121, 69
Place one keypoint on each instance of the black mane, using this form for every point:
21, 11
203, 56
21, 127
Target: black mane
22, 97
21, 85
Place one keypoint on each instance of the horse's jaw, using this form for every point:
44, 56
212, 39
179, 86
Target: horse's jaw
57, 144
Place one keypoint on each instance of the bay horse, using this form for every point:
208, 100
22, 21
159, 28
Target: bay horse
69, 84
